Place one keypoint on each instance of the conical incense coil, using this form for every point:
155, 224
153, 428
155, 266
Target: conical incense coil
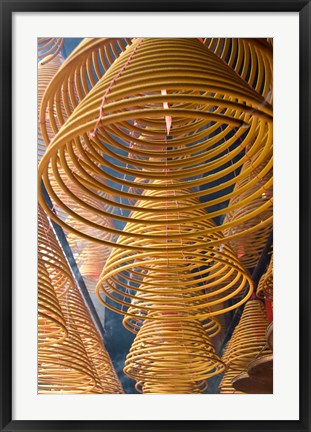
249, 339
146, 281
57, 114
62, 367
79, 362
215, 116
51, 255
171, 388
51, 322
46, 71
225, 386
80, 319
171, 354
251, 58
79, 74
211, 325
65, 367
249, 247
48, 48
265, 285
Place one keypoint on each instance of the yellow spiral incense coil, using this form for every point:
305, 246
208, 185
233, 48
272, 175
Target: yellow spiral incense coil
249, 338
211, 324
227, 280
265, 285
48, 48
90, 258
51, 322
171, 388
144, 281
249, 247
167, 355
215, 117
268, 282
172, 301
65, 367
51, 255
80, 319
225, 386
251, 58
79, 73
77, 362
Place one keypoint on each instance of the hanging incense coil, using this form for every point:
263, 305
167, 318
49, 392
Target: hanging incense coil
181, 280
249, 247
251, 58
249, 338
51, 255
171, 388
212, 109
211, 325
265, 285
48, 48
79, 74
77, 363
134, 317
65, 367
166, 355
51, 322
225, 386
80, 318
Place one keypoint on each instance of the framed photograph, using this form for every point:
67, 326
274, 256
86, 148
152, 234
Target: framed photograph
155, 215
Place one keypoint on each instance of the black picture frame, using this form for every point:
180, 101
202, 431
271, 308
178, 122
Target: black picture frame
8, 7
